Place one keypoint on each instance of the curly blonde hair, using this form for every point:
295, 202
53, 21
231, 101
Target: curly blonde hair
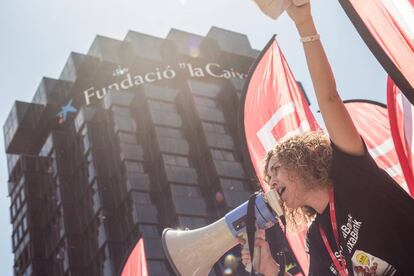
309, 156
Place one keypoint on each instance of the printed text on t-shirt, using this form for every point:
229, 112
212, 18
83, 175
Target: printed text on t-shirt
350, 232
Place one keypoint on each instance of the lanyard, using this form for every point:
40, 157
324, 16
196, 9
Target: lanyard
340, 266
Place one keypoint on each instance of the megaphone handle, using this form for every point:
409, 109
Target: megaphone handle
256, 257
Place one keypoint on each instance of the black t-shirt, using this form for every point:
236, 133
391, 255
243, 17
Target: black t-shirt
375, 218
276, 238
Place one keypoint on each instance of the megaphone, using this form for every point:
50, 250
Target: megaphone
274, 8
194, 252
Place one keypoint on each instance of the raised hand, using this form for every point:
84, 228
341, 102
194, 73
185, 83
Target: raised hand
300, 14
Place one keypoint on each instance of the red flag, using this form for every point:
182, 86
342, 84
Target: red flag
387, 27
136, 264
400, 112
371, 119
274, 108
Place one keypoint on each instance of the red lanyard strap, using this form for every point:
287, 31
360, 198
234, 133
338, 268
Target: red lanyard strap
340, 266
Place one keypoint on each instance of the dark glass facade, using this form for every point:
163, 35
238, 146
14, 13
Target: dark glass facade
153, 144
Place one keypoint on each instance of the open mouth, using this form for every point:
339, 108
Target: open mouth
281, 190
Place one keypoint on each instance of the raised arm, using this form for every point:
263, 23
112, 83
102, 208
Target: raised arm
341, 129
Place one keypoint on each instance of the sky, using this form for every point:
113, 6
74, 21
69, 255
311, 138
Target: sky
37, 37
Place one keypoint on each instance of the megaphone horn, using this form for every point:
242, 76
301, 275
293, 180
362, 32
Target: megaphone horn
194, 252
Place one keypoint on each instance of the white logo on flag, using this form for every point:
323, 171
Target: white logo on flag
265, 133
403, 11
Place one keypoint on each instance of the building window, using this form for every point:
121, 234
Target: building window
213, 127
185, 191
21, 231
22, 195
222, 155
120, 111
131, 166
47, 146
131, 151
149, 231
176, 160
201, 101
127, 138
24, 224
141, 198
91, 172
17, 202
28, 271
12, 211
126, 124
168, 132
161, 106
15, 240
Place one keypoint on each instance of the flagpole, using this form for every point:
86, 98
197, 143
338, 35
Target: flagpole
242, 132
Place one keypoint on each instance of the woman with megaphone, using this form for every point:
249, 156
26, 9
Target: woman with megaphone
362, 221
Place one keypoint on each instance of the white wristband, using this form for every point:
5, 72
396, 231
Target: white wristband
310, 38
